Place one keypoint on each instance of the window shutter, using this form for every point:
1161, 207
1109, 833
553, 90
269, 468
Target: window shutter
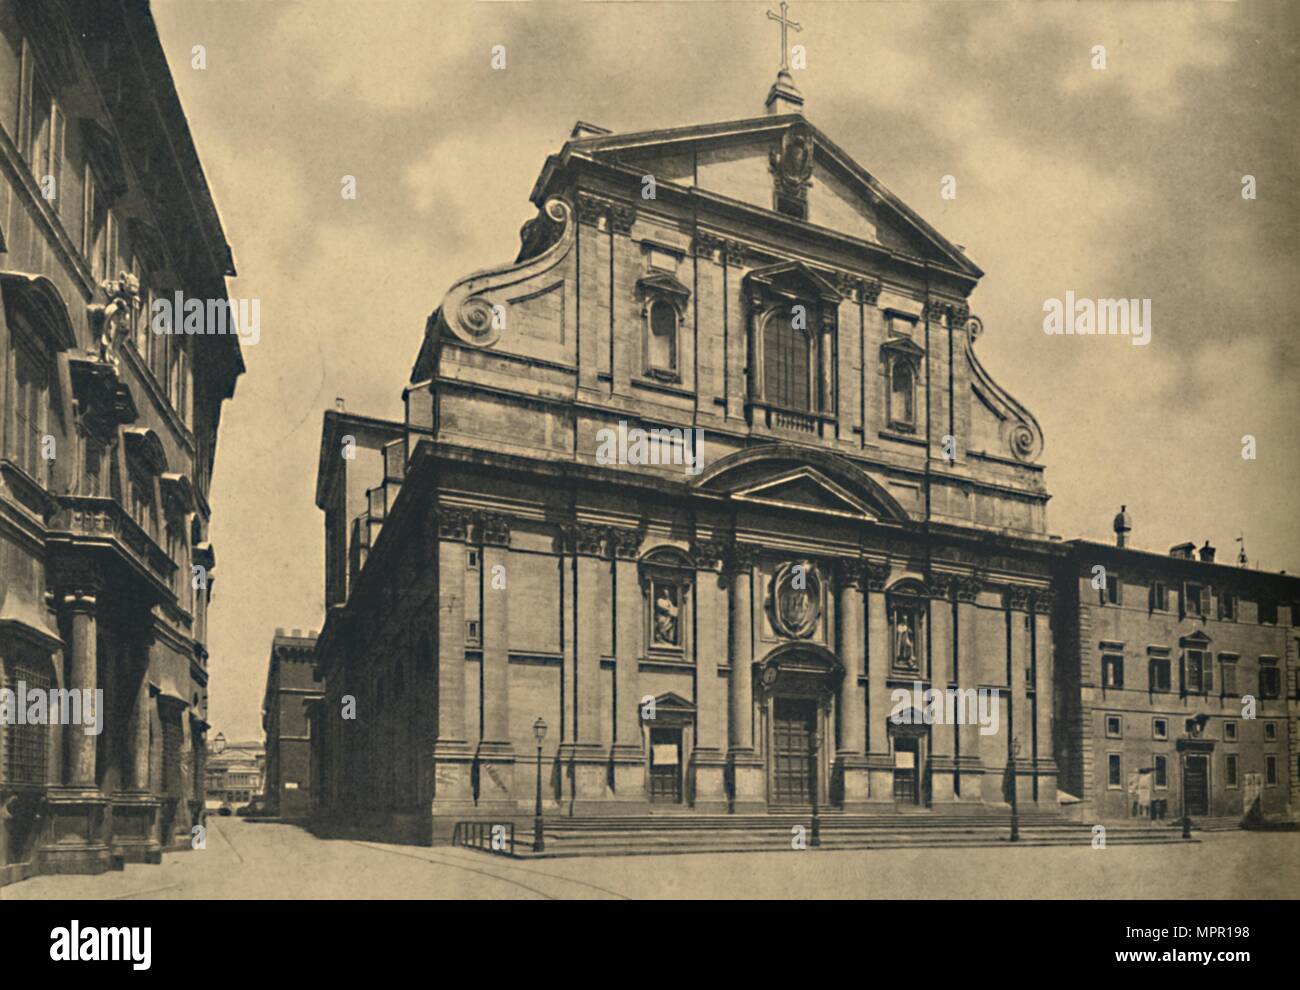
1205, 600
1151, 598
1182, 601
1207, 672
1182, 673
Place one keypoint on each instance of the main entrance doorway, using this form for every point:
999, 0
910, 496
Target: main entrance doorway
793, 727
1196, 781
907, 770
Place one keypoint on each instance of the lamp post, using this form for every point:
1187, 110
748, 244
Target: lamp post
1187, 822
1015, 807
816, 838
539, 733
219, 744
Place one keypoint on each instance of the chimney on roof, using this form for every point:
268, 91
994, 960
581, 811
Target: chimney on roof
338, 403
1123, 526
1184, 551
279, 630
1207, 553
297, 634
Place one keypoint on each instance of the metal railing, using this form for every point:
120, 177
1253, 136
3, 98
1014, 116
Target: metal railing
492, 837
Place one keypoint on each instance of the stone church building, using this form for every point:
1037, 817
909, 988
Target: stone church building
830, 500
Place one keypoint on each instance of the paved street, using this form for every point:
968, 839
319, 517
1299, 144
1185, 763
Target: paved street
247, 859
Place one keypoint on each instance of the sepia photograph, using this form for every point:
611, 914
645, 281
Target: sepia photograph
567, 450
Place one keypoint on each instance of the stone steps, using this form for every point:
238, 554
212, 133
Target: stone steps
663, 835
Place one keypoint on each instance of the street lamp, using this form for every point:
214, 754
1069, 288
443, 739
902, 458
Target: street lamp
539, 733
816, 839
1015, 808
219, 744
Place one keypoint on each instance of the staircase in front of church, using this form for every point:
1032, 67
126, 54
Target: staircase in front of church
678, 833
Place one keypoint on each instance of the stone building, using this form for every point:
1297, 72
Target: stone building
1176, 668
236, 774
109, 432
292, 686
839, 507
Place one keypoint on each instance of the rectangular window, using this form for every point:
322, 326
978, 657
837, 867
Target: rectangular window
471, 560
1227, 606
27, 408
1198, 672
1112, 590
472, 633
40, 134
1159, 674
1229, 731
1158, 597
1228, 668
1268, 613
1270, 732
1112, 671
1162, 779
1194, 596
1114, 726
1270, 679
1231, 774
1159, 728
1270, 770
1114, 775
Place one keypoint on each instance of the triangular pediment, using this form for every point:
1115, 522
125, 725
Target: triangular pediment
805, 488
733, 159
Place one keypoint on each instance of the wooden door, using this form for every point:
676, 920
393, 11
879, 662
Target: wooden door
792, 751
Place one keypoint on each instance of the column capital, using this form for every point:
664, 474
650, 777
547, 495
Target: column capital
709, 554
621, 217
624, 543
851, 572
493, 529
1016, 598
742, 556
1043, 600
582, 539
877, 574
942, 586
968, 587
82, 599
452, 523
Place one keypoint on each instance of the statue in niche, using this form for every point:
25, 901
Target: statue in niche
905, 639
665, 615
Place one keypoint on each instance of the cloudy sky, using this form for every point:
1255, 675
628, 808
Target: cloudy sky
1122, 181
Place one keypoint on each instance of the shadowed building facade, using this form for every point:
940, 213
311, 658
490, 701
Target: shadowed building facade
842, 504
109, 432
292, 686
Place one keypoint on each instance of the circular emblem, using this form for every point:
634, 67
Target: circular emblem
796, 601
770, 674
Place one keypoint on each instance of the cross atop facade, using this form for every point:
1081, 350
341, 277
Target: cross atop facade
786, 24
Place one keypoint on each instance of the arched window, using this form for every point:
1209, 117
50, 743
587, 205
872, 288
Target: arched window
787, 356
662, 355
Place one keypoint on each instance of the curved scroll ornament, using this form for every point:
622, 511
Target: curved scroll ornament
470, 311
1019, 427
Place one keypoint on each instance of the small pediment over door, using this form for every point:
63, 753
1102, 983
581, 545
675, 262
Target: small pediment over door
807, 489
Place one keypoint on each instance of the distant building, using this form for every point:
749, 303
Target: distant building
291, 686
235, 775
1162, 660
107, 437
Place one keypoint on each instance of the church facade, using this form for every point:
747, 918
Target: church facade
710, 481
